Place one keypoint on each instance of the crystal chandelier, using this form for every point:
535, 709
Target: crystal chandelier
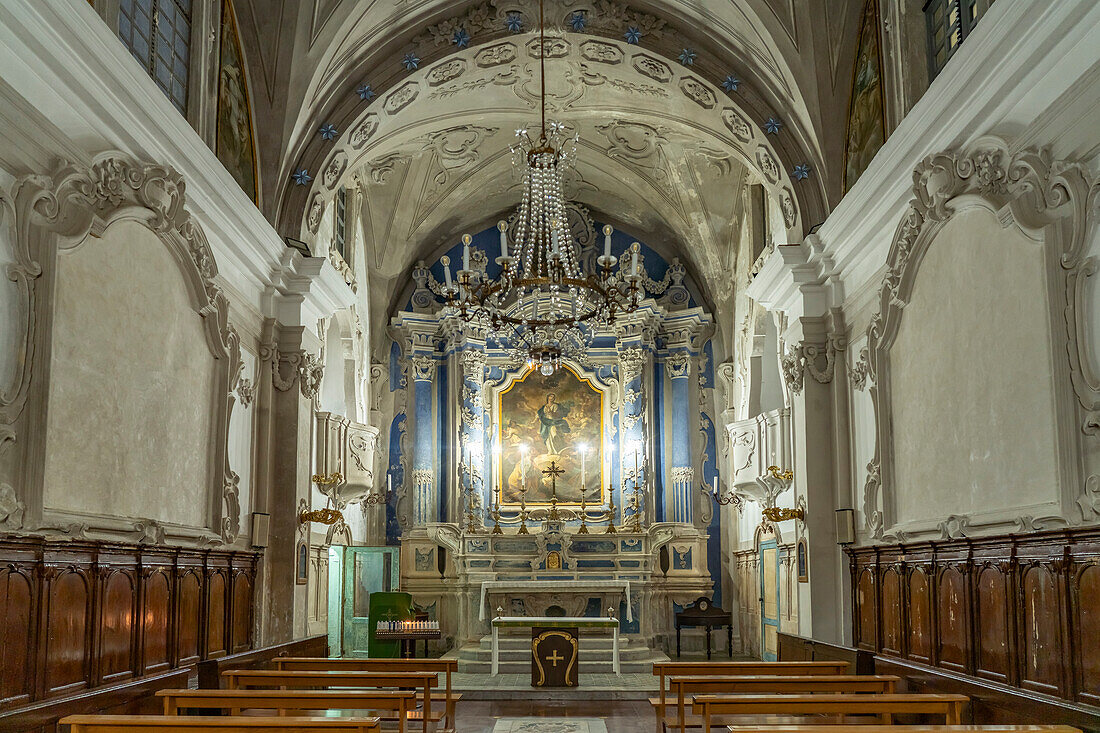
543, 305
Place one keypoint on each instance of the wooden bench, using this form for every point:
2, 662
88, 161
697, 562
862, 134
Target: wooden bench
703, 669
884, 706
397, 702
990, 728
286, 679
683, 687
445, 666
205, 724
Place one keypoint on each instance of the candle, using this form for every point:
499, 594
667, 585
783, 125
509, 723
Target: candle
446, 269
502, 226
634, 262
389, 483
607, 240
584, 456
466, 239
716, 484
554, 240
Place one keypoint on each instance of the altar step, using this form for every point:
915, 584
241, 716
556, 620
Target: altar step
595, 656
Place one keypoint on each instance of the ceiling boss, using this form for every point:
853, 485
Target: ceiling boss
543, 304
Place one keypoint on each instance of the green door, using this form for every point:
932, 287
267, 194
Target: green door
769, 601
359, 572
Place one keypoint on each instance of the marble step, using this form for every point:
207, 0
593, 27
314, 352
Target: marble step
585, 654
524, 667
524, 642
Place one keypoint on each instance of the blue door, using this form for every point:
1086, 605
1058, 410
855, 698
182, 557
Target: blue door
769, 601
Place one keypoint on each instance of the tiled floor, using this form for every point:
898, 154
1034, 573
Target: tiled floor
620, 716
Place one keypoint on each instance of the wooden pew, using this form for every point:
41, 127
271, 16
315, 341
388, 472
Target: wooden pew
884, 706
445, 666
988, 728
701, 669
397, 702
237, 679
682, 687
205, 724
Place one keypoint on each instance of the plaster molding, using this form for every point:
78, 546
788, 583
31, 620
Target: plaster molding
57, 212
678, 365
1035, 192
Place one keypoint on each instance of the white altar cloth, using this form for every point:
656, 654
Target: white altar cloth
554, 586
584, 622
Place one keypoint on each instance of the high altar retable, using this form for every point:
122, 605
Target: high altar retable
639, 576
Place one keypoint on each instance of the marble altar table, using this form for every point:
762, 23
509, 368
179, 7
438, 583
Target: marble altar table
510, 622
554, 587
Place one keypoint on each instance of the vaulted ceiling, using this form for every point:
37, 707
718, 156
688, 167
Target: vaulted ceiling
677, 105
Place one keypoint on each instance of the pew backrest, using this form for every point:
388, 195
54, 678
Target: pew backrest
215, 724
704, 669
681, 688
949, 706
874, 728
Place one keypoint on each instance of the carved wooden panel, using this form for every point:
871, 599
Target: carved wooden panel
17, 614
891, 612
992, 624
116, 631
190, 618
952, 615
920, 616
1042, 649
156, 623
1088, 642
1021, 610
867, 605
215, 616
242, 612
79, 615
67, 632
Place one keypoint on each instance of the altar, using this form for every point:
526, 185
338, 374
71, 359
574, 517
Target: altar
555, 592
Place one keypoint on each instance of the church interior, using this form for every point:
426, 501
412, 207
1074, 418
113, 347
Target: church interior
549, 366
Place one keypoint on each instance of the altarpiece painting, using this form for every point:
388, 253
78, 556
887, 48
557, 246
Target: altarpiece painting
550, 419
234, 143
866, 121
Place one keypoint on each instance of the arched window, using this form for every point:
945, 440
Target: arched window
158, 34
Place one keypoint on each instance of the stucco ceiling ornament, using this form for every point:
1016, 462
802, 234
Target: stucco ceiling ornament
496, 55
401, 97
698, 92
737, 125
652, 67
861, 372
793, 367
594, 77
364, 131
446, 71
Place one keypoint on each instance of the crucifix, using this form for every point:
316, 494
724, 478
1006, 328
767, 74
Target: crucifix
554, 658
553, 472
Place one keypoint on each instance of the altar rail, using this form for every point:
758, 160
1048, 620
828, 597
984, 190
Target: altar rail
80, 615
1018, 611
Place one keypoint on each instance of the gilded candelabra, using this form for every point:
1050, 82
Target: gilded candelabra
610, 512
523, 509
782, 514
327, 515
583, 529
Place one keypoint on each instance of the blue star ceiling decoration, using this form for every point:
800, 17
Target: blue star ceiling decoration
772, 125
328, 131
301, 177
801, 172
687, 57
365, 92
632, 35
578, 21
731, 83
461, 38
411, 62
514, 22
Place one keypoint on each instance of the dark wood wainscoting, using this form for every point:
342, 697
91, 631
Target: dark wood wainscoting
1018, 611
79, 615
800, 649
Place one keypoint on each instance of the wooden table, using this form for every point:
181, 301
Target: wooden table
704, 613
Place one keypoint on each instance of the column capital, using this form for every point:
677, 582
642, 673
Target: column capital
678, 365
423, 367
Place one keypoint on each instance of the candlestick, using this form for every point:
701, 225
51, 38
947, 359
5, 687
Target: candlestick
502, 226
